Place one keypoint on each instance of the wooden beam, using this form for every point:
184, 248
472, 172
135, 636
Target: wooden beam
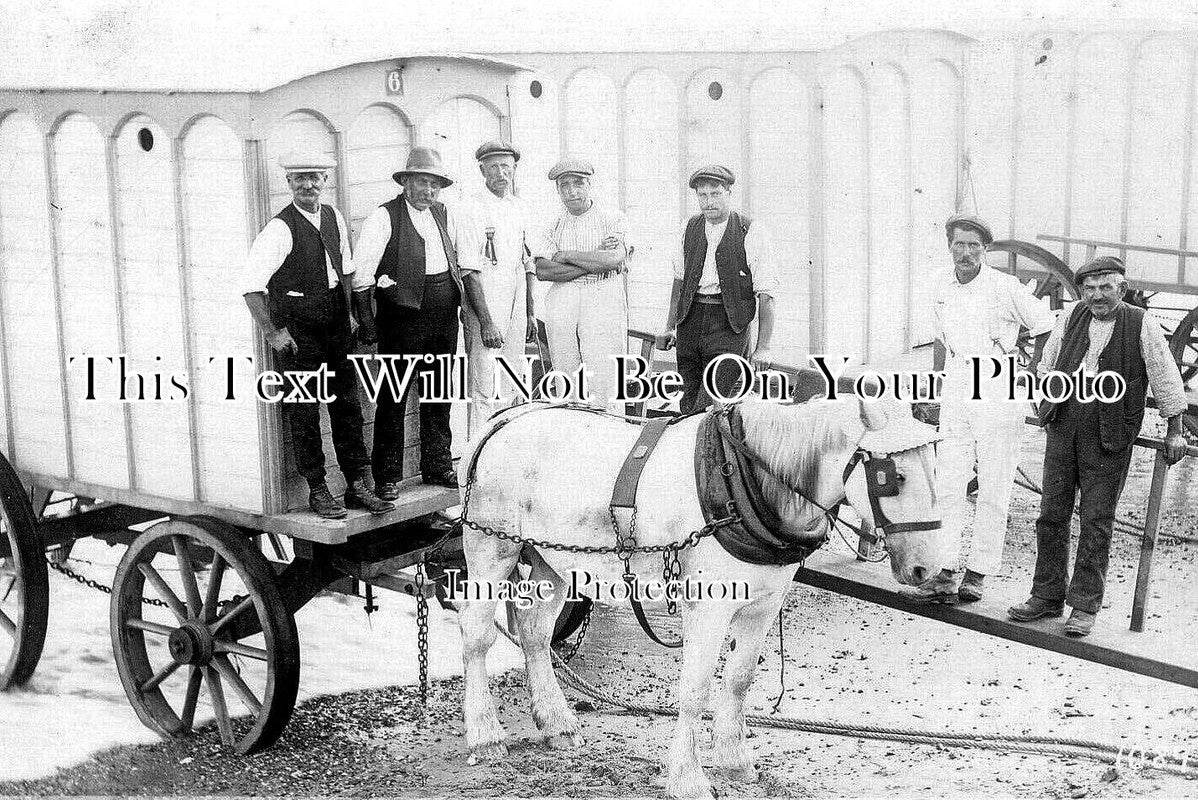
115, 228
56, 271
1160, 470
185, 316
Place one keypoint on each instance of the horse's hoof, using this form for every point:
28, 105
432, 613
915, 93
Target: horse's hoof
694, 786
565, 741
487, 753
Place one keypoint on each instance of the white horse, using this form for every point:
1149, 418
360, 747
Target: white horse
548, 475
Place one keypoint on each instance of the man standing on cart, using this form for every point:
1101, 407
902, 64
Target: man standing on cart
977, 311
296, 287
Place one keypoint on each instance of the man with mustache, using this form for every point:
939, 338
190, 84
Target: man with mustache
583, 252
408, 258
296, 287
978, 311
1089, 445
724, 276
500, 219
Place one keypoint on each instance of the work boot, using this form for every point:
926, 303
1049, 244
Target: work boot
388, 490
1080, 623
970, 590
321, 500
359, 495
1034, 608
940, 589
447, 478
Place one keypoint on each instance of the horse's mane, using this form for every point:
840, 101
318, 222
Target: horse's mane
793, 440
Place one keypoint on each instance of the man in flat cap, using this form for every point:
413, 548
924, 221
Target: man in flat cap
583, 253
500, 220
418, 260
977, 312
1089, 444
296, 286
724, 277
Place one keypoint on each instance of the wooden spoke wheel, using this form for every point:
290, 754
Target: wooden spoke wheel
1183, 343
1053, 280
24, 585
178, 628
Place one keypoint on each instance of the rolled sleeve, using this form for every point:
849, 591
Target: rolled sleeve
271, 246
759, 251
618, 227
1163, 376
462, 225
347, 258
1052, 348
372, 242
678, 262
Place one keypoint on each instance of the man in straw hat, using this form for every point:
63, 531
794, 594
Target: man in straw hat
500, 221
977, 313
1089, 444
583, 252
408, 257
724, 277
295, 285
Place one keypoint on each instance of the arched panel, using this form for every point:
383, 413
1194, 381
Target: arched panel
31, 345
1154, 192
846, 164
890, 224
780, 145
149, 265
714, 121
89, 300
378, 143
299, 130
1100, 138
535, 126
936, 116
651, 195
216, 233
456, 128
1040, 157
591, 102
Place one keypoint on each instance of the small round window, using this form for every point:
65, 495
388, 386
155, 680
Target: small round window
715, 91
536, 89
145, 138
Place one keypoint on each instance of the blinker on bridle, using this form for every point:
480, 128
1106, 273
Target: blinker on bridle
882, 479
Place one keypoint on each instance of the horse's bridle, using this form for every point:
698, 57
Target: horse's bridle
882, 479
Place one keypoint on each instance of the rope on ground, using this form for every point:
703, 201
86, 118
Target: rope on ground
1014, 743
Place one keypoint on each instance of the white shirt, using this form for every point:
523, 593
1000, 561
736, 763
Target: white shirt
509, 219
273, 244
376, 232
759, 252
565, 231
982, 317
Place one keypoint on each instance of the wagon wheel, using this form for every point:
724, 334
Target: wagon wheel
24, 585
236, 634
1054, 280
1184, 345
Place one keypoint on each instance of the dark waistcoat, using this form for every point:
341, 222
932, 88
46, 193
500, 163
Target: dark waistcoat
732, 265
303, 271
1118, 422
403, 258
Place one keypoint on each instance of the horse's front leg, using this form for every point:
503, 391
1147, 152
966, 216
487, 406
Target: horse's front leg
550, 711
750, 626
704, 625
489, 561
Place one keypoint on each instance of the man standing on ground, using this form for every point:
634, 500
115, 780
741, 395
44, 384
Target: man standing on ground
1089, 444
295, 287
725, 277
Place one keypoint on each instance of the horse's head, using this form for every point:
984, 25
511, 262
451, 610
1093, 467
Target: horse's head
891, 483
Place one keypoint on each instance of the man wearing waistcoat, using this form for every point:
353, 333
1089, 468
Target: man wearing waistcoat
296, 287
500, 219
1089, 445
408, 258
725, 278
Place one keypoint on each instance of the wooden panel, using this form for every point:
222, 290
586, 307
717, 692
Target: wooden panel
845, 206
714, 122
591, 101
299, 130
780, 146
153, 327
33, 388
652, 205
1099, 139
89, 301
1041, 162
214, 209
535, 131
378, 145
456, 128
890, 223
1154, 191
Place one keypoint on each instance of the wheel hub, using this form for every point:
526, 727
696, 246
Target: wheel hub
190, 644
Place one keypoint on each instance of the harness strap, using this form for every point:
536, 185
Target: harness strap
639, 612
624, 493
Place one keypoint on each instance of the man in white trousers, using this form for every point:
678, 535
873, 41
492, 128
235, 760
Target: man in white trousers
500, 221
583, 251
978, 312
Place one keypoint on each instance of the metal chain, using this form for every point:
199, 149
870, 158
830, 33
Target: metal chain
99, 587
422, 631
567, 654
671, 572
